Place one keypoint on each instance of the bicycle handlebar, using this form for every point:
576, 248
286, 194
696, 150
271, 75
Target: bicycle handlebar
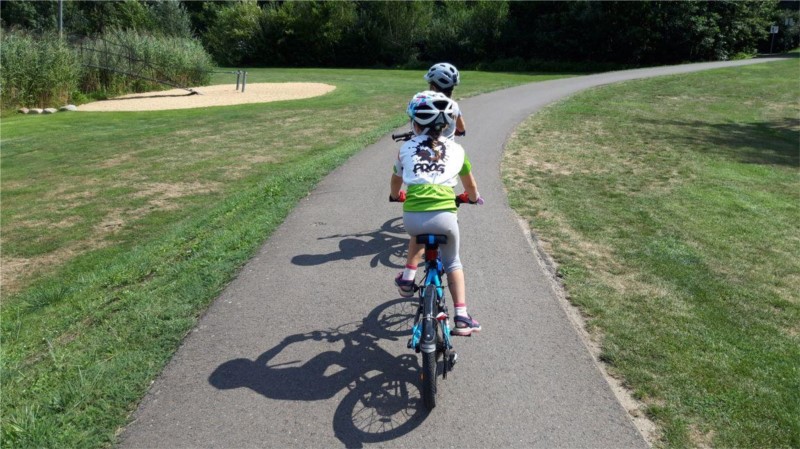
410, 135
403, 136
459, 199
464, 198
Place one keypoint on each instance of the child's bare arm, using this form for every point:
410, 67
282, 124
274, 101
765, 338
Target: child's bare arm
461, 126
470, 186
394, 186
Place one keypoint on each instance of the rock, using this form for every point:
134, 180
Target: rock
23, 110
69, 107
50, 110
35, 111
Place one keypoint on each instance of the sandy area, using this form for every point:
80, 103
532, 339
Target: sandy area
218, 95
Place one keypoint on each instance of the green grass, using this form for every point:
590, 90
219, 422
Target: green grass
672, 207
127, 225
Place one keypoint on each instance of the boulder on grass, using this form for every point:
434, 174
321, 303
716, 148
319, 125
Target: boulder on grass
50, 110
35, 111
23, 110
69, 107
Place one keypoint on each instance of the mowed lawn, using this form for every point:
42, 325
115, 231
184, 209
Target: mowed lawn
118, 229
672, 207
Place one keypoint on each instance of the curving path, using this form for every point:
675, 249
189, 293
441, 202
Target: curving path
306, 348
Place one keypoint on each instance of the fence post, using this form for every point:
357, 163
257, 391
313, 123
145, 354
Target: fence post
244, 81
238, 73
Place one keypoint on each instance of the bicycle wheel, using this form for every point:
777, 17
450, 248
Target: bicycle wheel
429, 327
429, 379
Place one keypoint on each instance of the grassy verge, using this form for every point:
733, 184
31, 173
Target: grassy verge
120, 228
672, 207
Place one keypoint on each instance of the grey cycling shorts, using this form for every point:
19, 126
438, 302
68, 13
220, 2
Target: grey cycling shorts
437, 222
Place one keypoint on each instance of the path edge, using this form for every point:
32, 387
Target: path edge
636, 409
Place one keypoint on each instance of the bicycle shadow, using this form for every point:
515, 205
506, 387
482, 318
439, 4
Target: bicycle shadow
383, 401
388, 245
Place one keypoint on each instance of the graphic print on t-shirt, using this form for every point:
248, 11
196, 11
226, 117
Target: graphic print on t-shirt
428, 161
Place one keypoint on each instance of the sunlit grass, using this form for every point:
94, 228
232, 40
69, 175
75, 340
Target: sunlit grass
672, 207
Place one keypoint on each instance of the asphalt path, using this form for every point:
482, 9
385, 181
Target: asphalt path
307, 346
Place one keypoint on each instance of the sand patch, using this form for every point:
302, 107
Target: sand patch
218, 95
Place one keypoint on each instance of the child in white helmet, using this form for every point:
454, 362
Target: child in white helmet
444, 77
431, 165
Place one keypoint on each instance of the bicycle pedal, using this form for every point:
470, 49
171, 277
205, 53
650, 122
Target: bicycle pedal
453, 360
441, 316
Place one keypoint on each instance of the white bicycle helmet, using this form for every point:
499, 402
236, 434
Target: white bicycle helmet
443, 74
431, 111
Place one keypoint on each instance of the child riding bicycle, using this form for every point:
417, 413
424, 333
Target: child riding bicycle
430, 165
444, 77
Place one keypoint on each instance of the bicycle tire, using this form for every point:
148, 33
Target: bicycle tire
428, 375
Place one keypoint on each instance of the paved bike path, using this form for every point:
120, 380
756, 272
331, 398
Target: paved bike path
306, 348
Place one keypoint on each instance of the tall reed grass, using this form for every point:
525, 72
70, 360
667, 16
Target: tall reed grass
157, 61
36, 71
44, 71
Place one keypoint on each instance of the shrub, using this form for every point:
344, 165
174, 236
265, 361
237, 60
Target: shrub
36, 71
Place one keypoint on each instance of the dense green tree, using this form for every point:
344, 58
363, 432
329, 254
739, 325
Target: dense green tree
306, 33
387, 33
34, 16
414, 33
170, 18
87, 18
466, 32
788, 36
233, 37
635, 32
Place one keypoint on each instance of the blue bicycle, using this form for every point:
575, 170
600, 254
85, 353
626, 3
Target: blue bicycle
430, 334
431, 331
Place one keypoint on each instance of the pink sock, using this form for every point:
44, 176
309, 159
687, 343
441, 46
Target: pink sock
461, 309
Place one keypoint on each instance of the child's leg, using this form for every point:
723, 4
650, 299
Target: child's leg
414, 256
455, 281
413, 259
465, 325
405, 280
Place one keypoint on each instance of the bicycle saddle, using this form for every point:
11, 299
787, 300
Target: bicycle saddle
432, 239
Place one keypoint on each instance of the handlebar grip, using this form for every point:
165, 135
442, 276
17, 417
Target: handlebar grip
464, 198
400, 198
403, 136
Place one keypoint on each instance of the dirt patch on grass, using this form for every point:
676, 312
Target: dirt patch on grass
16, 271
207, 96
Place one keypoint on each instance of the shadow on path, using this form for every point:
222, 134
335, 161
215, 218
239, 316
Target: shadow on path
387, 245
383, 401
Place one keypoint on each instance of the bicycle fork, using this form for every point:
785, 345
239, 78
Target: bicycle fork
432, 310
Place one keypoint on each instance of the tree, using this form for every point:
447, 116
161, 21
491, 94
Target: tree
466, 32
306, 33
387, 33
233, 37
169, 18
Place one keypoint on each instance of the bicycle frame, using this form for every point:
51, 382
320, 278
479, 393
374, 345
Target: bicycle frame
436, 308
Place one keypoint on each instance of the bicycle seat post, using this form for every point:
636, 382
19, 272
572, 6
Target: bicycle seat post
431, 242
